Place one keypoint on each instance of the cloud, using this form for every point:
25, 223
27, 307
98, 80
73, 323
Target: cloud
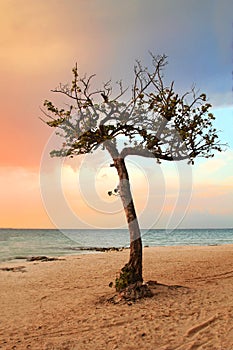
221, 99
21, 204
216, 171
222, 19
43, 35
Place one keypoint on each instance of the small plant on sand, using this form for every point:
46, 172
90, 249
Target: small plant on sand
123, 280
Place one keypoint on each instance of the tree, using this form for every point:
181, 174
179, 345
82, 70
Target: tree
154, 121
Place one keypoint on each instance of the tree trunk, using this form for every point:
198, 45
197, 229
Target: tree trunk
131, 273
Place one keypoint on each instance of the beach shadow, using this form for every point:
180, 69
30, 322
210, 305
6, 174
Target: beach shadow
160, 288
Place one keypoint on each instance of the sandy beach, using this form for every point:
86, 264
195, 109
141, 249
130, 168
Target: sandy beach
63, 304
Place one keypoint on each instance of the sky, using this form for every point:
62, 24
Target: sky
40, 43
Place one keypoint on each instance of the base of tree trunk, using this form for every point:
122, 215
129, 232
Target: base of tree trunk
132, 293
129, 285
129, 275
136, 291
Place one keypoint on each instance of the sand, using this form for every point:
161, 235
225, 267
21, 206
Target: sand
63, 304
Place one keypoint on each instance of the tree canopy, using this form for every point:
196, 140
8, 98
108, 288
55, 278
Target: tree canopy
157, 121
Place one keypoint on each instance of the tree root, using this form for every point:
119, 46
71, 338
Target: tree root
132, 292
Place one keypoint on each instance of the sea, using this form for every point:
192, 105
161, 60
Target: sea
25, 243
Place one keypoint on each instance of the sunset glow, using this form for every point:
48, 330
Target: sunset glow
40, 43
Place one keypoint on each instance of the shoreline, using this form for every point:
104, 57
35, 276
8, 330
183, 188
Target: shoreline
62, 304
97, 250
24, 243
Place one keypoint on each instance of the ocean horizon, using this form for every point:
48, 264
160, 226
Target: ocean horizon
24, 243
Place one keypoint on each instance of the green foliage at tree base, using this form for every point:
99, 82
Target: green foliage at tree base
122, 281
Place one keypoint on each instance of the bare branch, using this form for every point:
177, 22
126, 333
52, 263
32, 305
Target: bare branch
158, 121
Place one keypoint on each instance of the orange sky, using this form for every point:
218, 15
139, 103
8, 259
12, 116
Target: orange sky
40, 43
